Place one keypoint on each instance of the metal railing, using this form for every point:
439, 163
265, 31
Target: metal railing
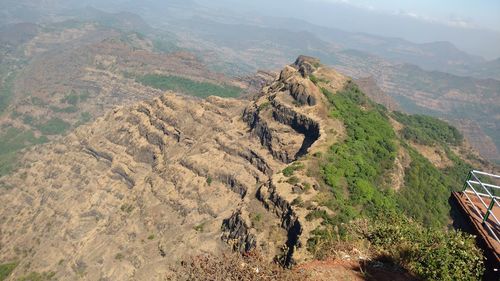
487, 193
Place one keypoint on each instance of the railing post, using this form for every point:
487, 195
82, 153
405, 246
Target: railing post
490, 207
469, 175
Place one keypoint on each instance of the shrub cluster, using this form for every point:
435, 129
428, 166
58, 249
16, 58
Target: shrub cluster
427, 253
295, 166
432, 254
427, 130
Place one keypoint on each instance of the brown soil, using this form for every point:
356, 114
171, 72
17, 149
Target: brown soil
351, 270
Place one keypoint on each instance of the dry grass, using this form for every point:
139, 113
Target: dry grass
231, 266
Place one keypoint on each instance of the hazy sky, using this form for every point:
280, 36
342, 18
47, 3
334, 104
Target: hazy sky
461, 13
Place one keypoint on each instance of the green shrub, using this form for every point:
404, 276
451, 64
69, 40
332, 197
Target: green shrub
295, 166
298, 202
355, 171
28, 119
199, 227
257, 217
85, 117
119, 256
38, 101
432, 254
424, 196
264, 105
314, 79
6, 269
72, 99
317, 80
427, 253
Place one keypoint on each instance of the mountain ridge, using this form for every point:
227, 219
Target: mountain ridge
150, 183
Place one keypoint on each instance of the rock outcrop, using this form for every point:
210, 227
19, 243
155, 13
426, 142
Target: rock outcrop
146, 185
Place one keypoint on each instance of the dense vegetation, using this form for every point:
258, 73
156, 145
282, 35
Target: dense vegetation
431, 254
426, 191
188, 86
427, 130
355, 172
355, 168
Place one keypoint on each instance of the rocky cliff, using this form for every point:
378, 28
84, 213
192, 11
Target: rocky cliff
142, 187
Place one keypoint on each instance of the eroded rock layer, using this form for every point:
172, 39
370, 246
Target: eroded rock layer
131, 194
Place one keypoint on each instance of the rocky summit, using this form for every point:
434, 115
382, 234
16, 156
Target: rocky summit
133, 193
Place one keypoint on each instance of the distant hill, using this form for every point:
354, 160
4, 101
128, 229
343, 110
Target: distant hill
442, 56
237, 48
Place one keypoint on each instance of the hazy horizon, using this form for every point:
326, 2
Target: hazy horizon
471, 27
413, 20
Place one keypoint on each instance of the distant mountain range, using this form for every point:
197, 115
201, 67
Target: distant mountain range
434, 78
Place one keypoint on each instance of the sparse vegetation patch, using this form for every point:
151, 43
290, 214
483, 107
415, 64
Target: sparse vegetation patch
251, 267
54, 126
188, 86
11, 141
6, 269
6, 91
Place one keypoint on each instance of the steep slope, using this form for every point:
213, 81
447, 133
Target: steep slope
145, 185
151, 184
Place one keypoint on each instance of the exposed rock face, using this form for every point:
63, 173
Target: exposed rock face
236, 232
306, 65
146, 185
